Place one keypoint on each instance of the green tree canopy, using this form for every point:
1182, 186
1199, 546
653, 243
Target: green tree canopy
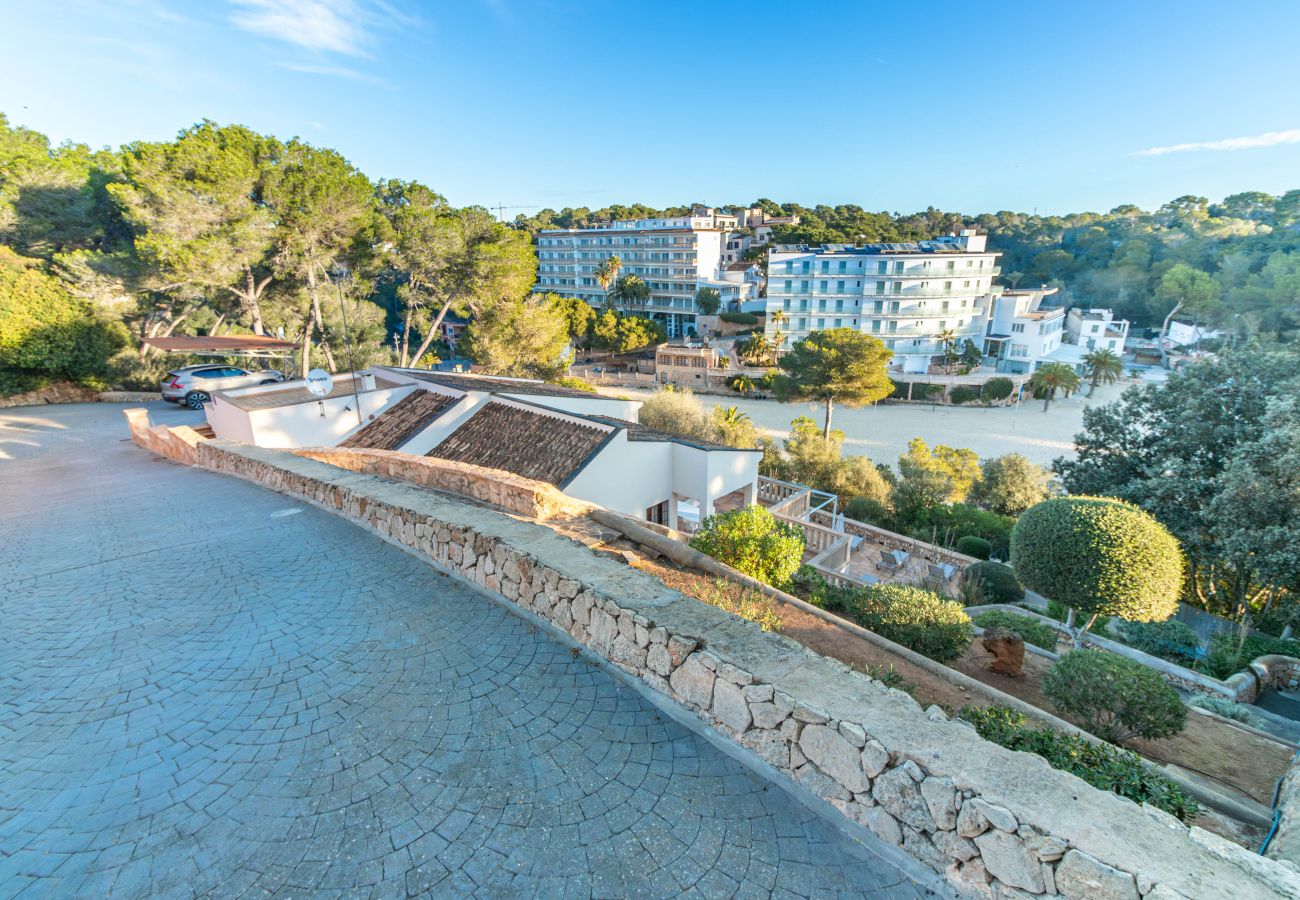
840, 365
1010, 484
1099, 556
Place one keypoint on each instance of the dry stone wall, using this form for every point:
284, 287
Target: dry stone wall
995, 823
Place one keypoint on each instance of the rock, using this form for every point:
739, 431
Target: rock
918, 846
973, 872
770, 747
874, 758
1079, 875
941, 797
883, 825
1006, 858
820, 783
658, 660
1164, 892
758, 693
679, 648
955, 846
835, 756
992, 815
809, 714
854, 734
692, 682
734, 675
1047, 848
729, 705
1008, 648
766, 715
899, 794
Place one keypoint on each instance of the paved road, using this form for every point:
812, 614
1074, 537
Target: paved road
206, 687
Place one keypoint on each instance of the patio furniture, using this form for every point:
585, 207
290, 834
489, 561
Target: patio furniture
888, 561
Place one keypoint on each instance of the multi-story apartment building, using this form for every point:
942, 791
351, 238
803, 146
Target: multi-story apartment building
673, 256
906, 294
1096, 329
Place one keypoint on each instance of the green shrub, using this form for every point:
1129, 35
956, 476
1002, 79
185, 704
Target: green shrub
901, 389
974, 545
1099, 555
1102, 766
1221, 706
889, 677
963, 394
1031, 631
754, 542
1170, 639
1115, 698
997, 389
739, 318
918, 619
807, 584
866, 509
576, 384
1229, 653
997, 582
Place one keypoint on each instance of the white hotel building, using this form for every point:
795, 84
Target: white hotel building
673, 256
905, 294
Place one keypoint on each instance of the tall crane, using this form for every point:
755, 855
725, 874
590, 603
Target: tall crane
502, 207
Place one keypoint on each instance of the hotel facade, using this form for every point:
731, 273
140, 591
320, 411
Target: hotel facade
905, 294
673, 256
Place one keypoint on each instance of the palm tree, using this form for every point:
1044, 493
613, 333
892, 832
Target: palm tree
730, 415
778, 318
607, 273
1103, 367
756, 348
948, 339
629, 291
1051, 377
742, 384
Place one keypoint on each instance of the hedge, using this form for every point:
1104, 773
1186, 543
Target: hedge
974, 545
1229, 654
963, 394
739, 318
1114, 697
997, 583
1171, 640
918, 619
997, 389
1102, 766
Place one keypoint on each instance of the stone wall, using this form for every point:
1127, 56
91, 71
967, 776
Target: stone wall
995, 823
510, 492
177, 442
67, 392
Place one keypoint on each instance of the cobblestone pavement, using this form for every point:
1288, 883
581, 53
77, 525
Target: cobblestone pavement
208, 688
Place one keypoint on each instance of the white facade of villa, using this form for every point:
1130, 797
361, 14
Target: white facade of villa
1096, 329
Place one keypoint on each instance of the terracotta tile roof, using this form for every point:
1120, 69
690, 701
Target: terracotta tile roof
460, 382
402, 421
527, 443
294, 395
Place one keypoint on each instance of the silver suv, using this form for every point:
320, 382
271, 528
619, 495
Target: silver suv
194, 385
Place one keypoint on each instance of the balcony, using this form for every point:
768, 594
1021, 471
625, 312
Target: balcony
935, 272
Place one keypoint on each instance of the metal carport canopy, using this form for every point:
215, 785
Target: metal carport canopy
254, 345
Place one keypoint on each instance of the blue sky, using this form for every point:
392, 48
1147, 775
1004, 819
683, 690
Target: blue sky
897, 106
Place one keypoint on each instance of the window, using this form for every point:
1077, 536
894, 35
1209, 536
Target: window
806, 265
821, 324
789, 286
826, 265
881, 267
789, 266
824, 286
803, 286
898, 287
843, 266
839, 287
838, 323
880, 287
878, 307
875, 326
1018, 328
839, 306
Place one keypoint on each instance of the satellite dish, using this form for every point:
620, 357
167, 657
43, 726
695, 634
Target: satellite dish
320, 382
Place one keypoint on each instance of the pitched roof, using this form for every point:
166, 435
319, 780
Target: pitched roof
292, 395
523, 386
402, 421
532, 444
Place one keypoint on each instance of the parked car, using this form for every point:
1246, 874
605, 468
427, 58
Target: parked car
193, 385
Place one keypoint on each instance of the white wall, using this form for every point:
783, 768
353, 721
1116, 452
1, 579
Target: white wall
626, 476
229, 422
595, 405
302, 425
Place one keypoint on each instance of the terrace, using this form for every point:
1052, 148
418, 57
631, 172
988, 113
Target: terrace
849, 553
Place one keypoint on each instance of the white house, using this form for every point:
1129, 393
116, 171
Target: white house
1023, 330
1096, 329
588, 446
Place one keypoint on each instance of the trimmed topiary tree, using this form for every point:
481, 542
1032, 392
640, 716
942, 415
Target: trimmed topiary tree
1113, 697
754, 542
963, 394
918, 619
997, 389
1098, 556
974, 545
